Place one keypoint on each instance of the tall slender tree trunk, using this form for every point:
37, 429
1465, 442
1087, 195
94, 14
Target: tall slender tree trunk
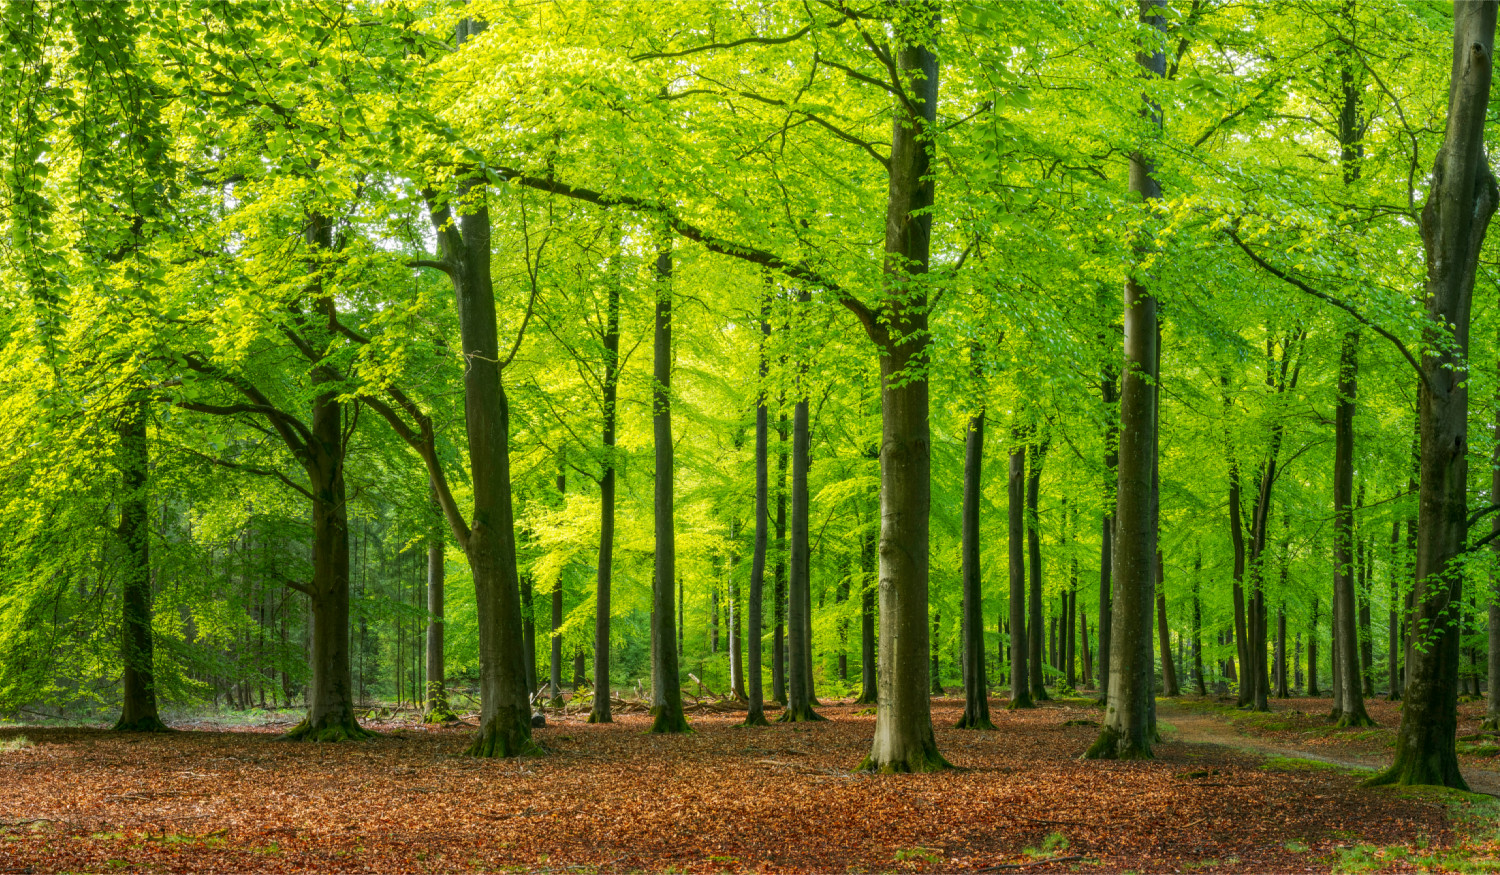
1035, 455
1130, 709
867, 658
437, 708
904, 741
666, 688
799, 580
1350, 702
554, 639
1492, 710
1198, 680
1459, 206
1168, 670
1020, 683
778, 639
600, 711
756, 716
732, 616
1312, 652
138, 712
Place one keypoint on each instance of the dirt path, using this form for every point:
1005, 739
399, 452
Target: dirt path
1196, 727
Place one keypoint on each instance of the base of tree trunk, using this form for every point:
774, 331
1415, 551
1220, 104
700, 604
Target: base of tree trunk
928, 760
669, 721
1351, 720
1490, 724
1112, 744
493, 741
1395, 696
867, 697
601, 715
756, 717
331, 730
556, 702
442, 714
1039, 694
974, 721
148, 723
1437, 768
805, 714
1022, 701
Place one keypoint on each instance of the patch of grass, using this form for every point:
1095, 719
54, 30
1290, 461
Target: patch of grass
1296, 847
1479, 749
1298, 764
20, 742
916, 855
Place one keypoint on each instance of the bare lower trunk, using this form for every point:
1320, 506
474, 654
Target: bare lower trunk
1036, 454
799, 578
666, 689
1020, 686
138, 673
1459, 206
1164, 635
437, 709
868, 693
1129, 713
778, 595
757, 712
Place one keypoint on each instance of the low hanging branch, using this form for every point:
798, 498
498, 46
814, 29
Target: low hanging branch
1337, 302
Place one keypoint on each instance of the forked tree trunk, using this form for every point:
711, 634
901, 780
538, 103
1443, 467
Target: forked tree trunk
138, 711
666, 686
1459, 206
1129, 712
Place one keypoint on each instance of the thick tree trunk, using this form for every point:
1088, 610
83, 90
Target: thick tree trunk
138, 673
1036, 454
1020, 686
1129, 712
666, 686
604, 578
904, 741
1459, 206
330, 691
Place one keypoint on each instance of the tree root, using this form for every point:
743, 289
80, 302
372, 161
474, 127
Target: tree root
1113, 745
149, 723
800, 715
493, 741
331, 731
929, 760
670, 721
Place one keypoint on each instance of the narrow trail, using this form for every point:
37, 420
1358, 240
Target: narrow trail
1196, 727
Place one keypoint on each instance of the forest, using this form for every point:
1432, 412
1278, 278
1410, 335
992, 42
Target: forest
856, 435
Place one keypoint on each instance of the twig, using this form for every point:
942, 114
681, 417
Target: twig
998, 867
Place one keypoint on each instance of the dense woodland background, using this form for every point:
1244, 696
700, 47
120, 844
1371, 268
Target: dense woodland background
227, 292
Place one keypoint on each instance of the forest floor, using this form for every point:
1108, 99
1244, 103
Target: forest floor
613, 798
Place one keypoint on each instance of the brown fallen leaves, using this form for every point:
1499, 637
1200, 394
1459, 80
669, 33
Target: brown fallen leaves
612, 798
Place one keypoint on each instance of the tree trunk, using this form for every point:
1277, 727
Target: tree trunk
1312, 652
799, 579
138, 674
554, 695
757, 713
1130, 709
1168, 670
1198, 680
1492, 711
778, 649
1350, 705
1459, 206
437, 707
600, 711
732, 616
1036, 455
1020, 686
666, 689
868, 690
904, 741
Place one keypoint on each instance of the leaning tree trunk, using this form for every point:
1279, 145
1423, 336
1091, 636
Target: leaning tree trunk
666, 686
1020, 684
138, 676
904, 740
1459, 206
1036, 454
976, 691
757, 712
1130, 709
